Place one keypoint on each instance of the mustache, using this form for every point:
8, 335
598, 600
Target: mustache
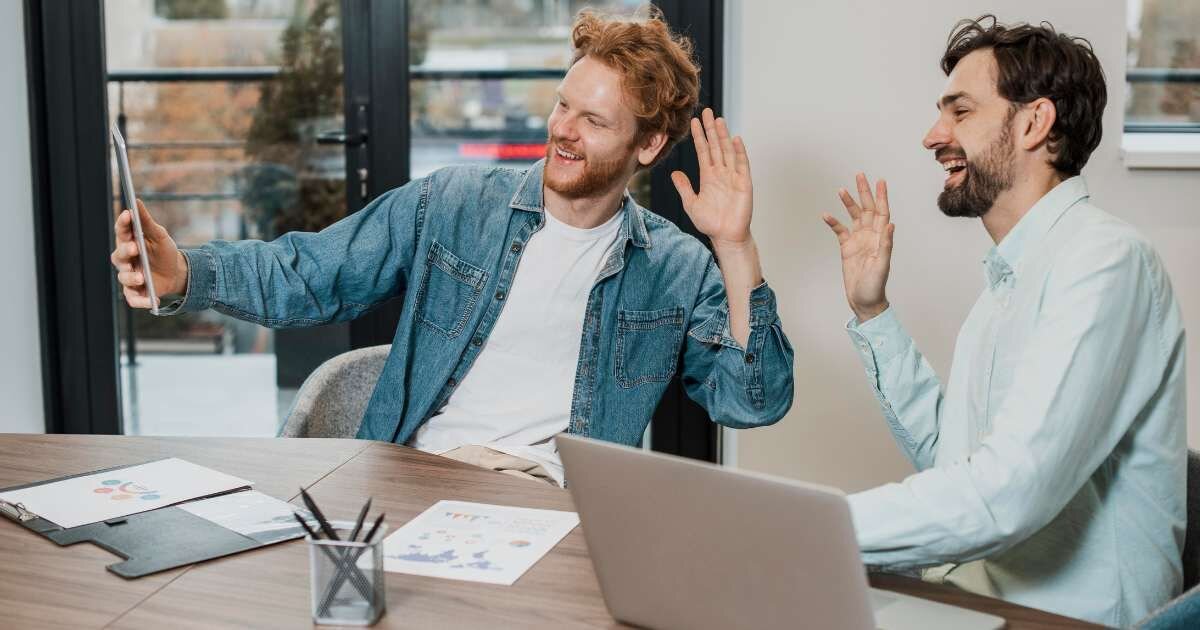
565, 146
947, 152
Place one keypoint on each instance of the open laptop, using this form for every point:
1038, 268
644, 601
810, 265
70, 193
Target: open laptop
678, 543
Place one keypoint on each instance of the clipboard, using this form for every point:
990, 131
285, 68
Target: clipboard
152, 541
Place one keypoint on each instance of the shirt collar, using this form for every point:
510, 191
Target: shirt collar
1005, 257
529, 198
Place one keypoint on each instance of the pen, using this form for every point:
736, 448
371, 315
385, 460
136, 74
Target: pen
362, 514
316, 512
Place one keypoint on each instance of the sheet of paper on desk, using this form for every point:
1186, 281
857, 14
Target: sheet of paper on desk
108, 495
475, 542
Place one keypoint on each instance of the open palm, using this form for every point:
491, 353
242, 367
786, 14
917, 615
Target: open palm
866, 247
723, 207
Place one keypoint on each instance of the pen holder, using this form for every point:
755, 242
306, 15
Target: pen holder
347, 579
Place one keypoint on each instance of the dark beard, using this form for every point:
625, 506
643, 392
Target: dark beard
987, 177
597, 177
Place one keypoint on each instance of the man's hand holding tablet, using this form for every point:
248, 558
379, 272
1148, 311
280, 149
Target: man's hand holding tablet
169, 269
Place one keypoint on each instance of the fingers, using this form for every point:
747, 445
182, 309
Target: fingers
702, 153
884, 213
884, 248
684, 186
131, 279
839, 230
851, 207
137, 298
714, 140
124, 226
864, 192
741, 162
150, 228
123, 256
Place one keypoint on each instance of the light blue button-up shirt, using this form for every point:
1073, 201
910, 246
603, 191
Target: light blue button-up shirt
1052, 464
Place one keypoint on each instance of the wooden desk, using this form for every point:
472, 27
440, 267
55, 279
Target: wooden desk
46, 586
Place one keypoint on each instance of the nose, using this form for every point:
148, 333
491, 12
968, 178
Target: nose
938, 135
564, 127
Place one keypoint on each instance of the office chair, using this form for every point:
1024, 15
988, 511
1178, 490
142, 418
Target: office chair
1183, 612
332, 400
1191, 540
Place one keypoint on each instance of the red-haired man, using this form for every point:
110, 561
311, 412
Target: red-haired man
536, 301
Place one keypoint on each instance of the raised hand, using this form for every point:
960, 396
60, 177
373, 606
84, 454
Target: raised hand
866, 247
723, 207
166, 263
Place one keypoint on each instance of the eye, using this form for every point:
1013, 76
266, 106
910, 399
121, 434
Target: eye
594, 122
959, 113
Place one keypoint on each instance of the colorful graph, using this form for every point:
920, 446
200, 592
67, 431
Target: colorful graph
118, 490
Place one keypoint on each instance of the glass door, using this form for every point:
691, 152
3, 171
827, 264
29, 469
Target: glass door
233, 112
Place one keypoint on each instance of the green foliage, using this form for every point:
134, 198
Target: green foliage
191, 9
284, 190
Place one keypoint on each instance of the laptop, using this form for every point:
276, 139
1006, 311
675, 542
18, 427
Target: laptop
678, 543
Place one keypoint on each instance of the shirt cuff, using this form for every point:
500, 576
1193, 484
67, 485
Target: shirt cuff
877, 340
202, 281
762, 306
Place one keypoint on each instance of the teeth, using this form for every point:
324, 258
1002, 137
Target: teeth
951, 164
566, 155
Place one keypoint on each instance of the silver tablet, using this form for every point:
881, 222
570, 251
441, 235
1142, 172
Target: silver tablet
131, 204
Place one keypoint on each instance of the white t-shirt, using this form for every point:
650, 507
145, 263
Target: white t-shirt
517, 395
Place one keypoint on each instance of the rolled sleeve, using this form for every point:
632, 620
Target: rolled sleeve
202, 281
739, 387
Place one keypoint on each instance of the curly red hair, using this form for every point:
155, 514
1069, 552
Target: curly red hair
658, 71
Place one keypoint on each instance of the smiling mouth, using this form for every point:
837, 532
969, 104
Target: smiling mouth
953, 169
567, 155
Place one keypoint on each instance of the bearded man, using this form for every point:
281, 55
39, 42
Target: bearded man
535, 301
1052, 464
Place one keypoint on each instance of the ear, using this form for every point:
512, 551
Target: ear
1038, 124
649, 148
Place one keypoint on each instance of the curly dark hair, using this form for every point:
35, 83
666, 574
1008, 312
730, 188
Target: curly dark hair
1036, 62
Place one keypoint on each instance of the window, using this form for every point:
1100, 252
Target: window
221, 103
1163, 66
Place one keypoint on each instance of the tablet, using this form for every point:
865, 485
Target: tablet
130, 203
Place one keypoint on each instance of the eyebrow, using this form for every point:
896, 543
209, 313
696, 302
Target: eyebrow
949, 99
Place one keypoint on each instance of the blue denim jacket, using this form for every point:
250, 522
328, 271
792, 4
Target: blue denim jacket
450, 244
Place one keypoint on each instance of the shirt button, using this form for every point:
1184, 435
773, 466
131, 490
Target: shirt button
451, 383
478, 341
500, 295
749, 357
516, 247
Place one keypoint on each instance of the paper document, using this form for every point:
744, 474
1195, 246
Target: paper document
475, 542
108, 495
252, 514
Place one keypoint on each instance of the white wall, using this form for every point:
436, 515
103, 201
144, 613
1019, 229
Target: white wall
20, 357
823, 89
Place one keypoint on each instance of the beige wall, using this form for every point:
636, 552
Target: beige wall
822, 89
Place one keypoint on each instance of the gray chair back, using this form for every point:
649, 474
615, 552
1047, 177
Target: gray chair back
1191, 540
333, 399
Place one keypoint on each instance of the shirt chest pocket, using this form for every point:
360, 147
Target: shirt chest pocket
448, 291
648, 345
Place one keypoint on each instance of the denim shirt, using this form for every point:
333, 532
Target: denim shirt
450, 244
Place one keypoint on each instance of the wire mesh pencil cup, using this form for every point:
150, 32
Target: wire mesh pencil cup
347, 579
